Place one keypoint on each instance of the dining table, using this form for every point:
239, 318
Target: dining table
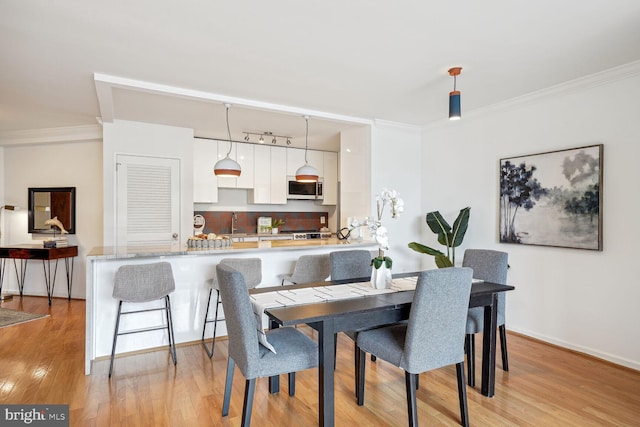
367, 311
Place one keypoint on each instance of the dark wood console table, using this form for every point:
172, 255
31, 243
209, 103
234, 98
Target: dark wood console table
23, 253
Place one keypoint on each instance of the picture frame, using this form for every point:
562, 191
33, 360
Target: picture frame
553, 198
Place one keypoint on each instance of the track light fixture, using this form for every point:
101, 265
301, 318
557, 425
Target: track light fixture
454, 97
262, 135
227, 167
306, 173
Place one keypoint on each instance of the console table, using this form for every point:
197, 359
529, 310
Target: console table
23, 253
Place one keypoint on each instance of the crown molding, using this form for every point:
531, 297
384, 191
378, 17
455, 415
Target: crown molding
48, 135
591, 81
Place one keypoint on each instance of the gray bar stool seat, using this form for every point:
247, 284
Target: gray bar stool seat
140, 284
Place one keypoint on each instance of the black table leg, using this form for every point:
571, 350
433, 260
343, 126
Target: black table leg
49, 281
489, 348
326, 333
274, 382
69, 275
20, 275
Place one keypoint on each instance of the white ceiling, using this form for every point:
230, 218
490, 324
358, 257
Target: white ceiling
335, 60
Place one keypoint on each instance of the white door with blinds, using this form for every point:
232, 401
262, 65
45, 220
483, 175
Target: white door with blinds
147, 200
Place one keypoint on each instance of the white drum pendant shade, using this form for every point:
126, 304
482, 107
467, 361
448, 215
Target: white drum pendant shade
307, 173
227, 168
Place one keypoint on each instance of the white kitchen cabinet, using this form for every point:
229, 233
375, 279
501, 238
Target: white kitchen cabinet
330, 175
316, 159
205, 183
270, 177
279, 175
244, 155
295, 159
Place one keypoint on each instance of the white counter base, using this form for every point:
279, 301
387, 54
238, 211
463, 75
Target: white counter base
192, 270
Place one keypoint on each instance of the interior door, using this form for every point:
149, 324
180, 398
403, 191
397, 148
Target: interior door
147, 200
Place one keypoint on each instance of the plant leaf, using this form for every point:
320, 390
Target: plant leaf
460, 227
438, 225
388, 262
443, 262
376, 262
418, 247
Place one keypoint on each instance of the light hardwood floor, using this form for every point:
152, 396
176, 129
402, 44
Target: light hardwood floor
42, 362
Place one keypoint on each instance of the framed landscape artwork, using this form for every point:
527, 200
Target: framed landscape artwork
553, 198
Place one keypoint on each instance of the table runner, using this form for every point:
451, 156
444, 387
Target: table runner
289, 297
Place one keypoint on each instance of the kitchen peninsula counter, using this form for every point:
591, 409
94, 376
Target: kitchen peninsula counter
193, 269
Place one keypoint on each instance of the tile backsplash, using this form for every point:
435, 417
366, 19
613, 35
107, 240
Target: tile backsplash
220, 222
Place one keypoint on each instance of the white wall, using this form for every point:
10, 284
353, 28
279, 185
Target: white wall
74, 164
135, 138
583, 300
396, 164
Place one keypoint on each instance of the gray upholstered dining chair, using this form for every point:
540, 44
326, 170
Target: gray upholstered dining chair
350, 264
490, 266
294, 350
140, 284
432, 338
345, 265
251, 269
308, 269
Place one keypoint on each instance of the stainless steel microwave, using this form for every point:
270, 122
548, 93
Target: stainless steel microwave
304, 190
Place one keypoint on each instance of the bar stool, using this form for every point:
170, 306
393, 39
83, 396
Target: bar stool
251, 270
308, 269
139, 284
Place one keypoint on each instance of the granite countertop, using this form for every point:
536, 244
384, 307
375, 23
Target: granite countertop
110, 252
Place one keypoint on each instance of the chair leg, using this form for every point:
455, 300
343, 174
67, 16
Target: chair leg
215, 323
503, 347
335, 350
172, 337
249, 389
470, 350
115, 338
412, 410
292, 383
462, 395
227, 387
360, 363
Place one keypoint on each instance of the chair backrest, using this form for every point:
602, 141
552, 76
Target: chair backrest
487, 264
437, 321
350, 264
250, 268
143, 282
491, 266
311, 268
240, 319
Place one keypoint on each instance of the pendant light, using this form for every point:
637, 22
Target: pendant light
454, 97
306, 173
227, 167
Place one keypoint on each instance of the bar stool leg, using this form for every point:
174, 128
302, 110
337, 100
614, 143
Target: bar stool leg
115, 338
172, 338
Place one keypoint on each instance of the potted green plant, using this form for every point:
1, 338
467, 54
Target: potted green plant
450, 237
275, 224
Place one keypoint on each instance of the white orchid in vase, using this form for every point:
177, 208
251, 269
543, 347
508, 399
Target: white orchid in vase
385, 198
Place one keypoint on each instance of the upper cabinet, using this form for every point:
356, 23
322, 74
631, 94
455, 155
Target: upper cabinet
264, 170
205, 183
270, 184
330, 174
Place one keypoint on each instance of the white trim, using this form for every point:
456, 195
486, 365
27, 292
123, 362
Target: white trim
149, 87
61, 134
582, 83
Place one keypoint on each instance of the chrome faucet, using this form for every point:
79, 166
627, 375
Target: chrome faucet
234, 222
